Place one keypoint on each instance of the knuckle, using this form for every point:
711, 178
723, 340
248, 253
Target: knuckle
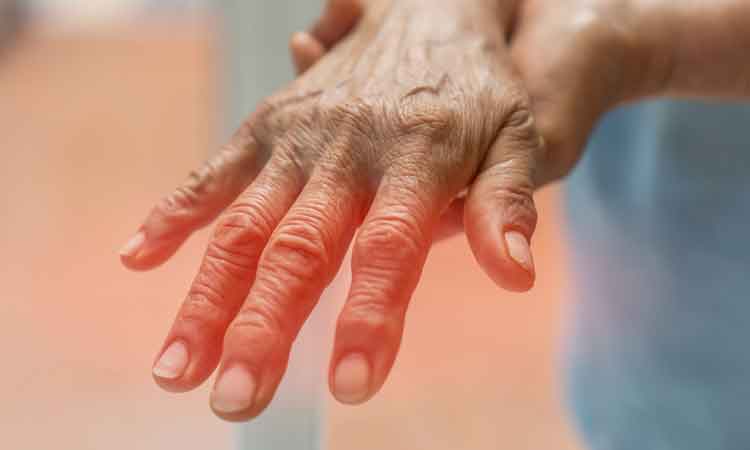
520, 121
245, 134
520, 135
245, 151
260, 321
521, 118
294, 157
244, 228
204, 311
365, 315
299, 251
263, 114
388, 242
230, 262
356, 114
518, 206
189, 197
236, 246
430, 119
179, 205
273, 116
261, 123
520, 195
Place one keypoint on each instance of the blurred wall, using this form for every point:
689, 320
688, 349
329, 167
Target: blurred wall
255, 35
86, 12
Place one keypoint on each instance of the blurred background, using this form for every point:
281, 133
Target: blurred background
105, 105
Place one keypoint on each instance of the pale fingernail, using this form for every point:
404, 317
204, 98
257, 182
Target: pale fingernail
518, 249
351, 380
133, 245
234, 391
173, 361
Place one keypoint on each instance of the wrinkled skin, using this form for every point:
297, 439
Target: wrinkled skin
580, 58
413, 119
577, 59
413, 109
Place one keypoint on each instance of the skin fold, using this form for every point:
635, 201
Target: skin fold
411, 120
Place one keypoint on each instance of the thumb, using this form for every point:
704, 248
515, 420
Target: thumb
500, 216
305, 50
337, 20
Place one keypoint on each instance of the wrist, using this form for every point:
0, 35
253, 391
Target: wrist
658, 32
698, 48
492, 17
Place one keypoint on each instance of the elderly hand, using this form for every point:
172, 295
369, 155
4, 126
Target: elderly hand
577, 59
416, 105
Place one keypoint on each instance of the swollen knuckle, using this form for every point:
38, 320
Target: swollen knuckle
232, 261
272, 115
178, 205
203, 310
243, 228
521, 122
432, 120
298, 251
259, 321
518, 195
369, 316
389, 240
262, 115
189, 197
354, 113
518, 204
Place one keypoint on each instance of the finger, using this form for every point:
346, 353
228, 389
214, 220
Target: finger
192, 348
301, 259
305, 50
500, 216
387, 260
194, 205
338, 18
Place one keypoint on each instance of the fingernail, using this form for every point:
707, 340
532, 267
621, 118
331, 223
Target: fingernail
133, 245
518, 249
173, 361
351, 380
234, 392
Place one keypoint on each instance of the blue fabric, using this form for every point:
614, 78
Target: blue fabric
658, 355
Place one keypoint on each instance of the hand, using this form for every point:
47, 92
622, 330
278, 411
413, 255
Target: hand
577, 59
416, 105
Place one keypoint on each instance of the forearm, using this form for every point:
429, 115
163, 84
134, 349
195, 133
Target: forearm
701, 46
